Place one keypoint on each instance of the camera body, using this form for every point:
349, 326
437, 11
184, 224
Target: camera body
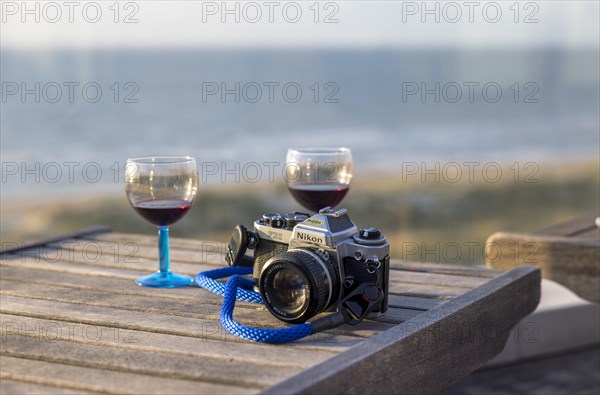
304, 265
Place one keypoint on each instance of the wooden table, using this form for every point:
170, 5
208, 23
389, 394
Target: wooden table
74, 321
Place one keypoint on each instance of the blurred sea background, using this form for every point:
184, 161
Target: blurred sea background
369, 105
545, 123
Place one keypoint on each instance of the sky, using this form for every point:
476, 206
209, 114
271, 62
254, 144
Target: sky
288, 24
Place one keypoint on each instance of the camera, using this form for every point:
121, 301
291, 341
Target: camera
307, 264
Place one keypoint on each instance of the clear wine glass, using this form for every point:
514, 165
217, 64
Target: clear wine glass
320, 176
162, 189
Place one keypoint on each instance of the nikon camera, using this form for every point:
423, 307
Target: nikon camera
304, 265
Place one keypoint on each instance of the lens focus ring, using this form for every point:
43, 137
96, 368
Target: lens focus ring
319, 285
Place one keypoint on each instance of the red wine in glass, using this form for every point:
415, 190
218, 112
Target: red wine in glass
315, 196
162, 212
162, 189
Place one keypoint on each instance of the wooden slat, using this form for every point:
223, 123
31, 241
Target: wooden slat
117, 258
128, 302
409, 302
219, 248
99, 273
405, 283
225, 347
107, 381
11, 387
425, 355
109, 258
74, 268
11, 248
570, 228
191, 295
593, 233
395, 315
159, 323
150, 363
208, 253
404, 277
104, 256
433, 291
104, 283
456, 270
85, 276
112, 254
249, 314
151, 241
423, 291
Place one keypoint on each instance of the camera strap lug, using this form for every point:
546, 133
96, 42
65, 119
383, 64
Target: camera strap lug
373, 264
352, 309
360, 302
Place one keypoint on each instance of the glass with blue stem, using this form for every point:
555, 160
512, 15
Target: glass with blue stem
162, 189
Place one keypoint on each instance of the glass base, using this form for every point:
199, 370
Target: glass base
165, 280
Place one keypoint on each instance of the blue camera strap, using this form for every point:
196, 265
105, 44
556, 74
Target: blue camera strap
238, 287
241, 288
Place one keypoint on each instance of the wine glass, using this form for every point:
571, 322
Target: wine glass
319, 177
162, 189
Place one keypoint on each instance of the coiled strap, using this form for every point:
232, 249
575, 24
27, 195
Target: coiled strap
207, 280
238, 287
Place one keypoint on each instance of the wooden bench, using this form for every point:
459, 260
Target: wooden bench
74, 321
568, 253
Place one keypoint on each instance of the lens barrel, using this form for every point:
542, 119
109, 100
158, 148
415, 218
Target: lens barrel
298, 285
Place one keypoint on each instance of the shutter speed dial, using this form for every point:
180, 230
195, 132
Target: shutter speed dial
293, 219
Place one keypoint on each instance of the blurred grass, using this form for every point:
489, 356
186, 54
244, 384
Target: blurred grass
423, 221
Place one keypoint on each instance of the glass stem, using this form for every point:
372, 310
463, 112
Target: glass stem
163, 249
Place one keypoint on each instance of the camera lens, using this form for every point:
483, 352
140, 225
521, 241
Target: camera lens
289, 289
298, 285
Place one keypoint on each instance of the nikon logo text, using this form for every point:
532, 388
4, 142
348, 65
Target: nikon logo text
312, 239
